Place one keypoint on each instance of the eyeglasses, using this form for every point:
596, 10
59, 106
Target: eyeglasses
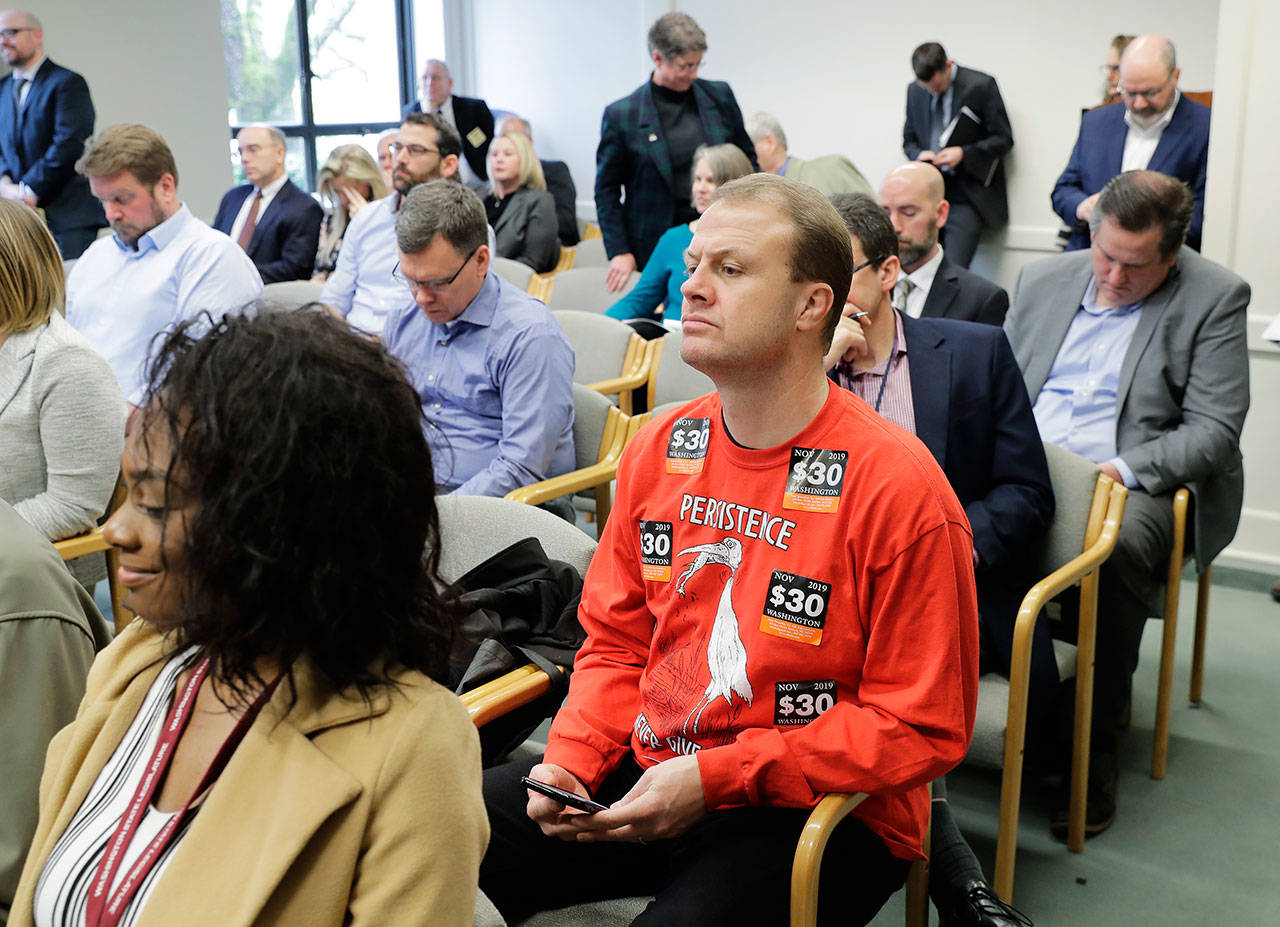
10, 33
684, 67
866, 263
1109, 68
434, 286
415, 151
1148, 95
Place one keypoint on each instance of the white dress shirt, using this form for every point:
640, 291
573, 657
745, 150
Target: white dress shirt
1139, 143
922, 277
268, 194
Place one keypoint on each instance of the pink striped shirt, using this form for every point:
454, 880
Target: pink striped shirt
894, 403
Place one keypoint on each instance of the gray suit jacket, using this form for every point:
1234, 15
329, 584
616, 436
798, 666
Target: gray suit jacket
1184, 381
527, 230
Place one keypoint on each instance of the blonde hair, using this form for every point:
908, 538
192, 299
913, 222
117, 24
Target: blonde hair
530, 174
31, 274
350, 162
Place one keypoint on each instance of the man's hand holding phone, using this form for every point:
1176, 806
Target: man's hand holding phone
552, 815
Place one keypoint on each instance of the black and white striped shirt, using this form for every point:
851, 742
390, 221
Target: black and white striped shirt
67, 878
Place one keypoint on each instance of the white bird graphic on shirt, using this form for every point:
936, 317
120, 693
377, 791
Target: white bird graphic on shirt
726, 657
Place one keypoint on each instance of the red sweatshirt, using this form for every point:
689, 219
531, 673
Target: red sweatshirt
802, 618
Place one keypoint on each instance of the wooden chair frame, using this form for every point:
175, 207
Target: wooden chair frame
93, 542
619, 429
1172, 592
637, 372
1103, 526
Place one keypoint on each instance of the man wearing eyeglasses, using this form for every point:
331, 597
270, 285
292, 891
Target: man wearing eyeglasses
45, 116
1157, 129
493, 368
361, 288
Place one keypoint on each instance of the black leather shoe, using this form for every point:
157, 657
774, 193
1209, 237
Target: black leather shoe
979, 906
1100, 809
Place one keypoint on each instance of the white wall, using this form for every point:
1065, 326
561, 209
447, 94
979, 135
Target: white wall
157, 62
1241, 206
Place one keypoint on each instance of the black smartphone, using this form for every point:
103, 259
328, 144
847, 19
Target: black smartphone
565, 798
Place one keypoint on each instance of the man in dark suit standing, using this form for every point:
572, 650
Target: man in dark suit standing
469, 115
647, 141
276, 224
932, 285
559, 184
1157, 129
974, 169
1135, 356
45, 116
956, 386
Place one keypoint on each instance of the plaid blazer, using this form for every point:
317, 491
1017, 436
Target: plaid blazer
633, 156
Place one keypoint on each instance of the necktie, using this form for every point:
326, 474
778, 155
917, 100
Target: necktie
18, 84
246, 233
901, 290
935, 124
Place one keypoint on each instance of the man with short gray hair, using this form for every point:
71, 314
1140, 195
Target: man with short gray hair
1134, 356
275, 223
469, 116
829, 174
493, 368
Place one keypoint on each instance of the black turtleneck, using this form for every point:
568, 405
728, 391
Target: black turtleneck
682, 129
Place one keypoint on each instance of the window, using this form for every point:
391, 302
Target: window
325, 72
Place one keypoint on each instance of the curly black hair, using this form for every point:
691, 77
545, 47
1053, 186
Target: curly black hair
315, 533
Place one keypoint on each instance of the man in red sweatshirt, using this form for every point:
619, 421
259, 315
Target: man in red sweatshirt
782, 605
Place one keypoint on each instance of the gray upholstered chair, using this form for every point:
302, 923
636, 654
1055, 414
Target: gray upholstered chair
590, 253
290, 294
582, 288
1088, 507
474, 528
673, 380
514, 272
609, 357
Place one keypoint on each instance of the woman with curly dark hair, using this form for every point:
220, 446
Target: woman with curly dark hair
266, 745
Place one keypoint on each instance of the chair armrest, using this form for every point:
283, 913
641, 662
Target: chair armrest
505, 694
565, 484
633, 380
91, 542
826, 814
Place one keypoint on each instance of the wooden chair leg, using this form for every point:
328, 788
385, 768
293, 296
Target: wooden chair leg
1172, 590
1202, 622
918, 880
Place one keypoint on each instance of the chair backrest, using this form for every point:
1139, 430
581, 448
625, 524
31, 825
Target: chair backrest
1074, 480
582, 288
590, 253
474, 528
674, 380
600, 344
591, 411
514, 272
290, 294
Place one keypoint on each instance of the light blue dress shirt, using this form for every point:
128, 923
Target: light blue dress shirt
496, 386
119, 298
361, 286
1076, 408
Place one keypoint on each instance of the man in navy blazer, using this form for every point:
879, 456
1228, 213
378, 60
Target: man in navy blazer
277, 224
45, 116
931, 285
958, 388
471, 116
1157, 129
974, 168
647, 140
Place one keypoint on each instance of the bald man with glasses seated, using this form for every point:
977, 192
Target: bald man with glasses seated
1157, 129
493, 368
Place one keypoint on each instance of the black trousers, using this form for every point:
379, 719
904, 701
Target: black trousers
731, 867
961, 234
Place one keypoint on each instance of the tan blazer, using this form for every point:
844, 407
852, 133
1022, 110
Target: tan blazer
332, 812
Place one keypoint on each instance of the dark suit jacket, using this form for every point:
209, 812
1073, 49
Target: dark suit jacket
633, 155
283, 246
560, 186
1184, 381
469, 114
979, 92
1183, 152
42, 148
526, 230
958, 293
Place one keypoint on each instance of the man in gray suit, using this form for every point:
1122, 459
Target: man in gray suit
1134, 353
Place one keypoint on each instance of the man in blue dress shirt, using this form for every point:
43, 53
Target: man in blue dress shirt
162, 265
1134, 355
493, 368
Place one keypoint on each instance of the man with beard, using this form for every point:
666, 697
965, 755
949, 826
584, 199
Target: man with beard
1157, 129
361, 288
931, 285
162, 265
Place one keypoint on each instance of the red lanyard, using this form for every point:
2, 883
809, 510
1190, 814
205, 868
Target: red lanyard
103, 910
